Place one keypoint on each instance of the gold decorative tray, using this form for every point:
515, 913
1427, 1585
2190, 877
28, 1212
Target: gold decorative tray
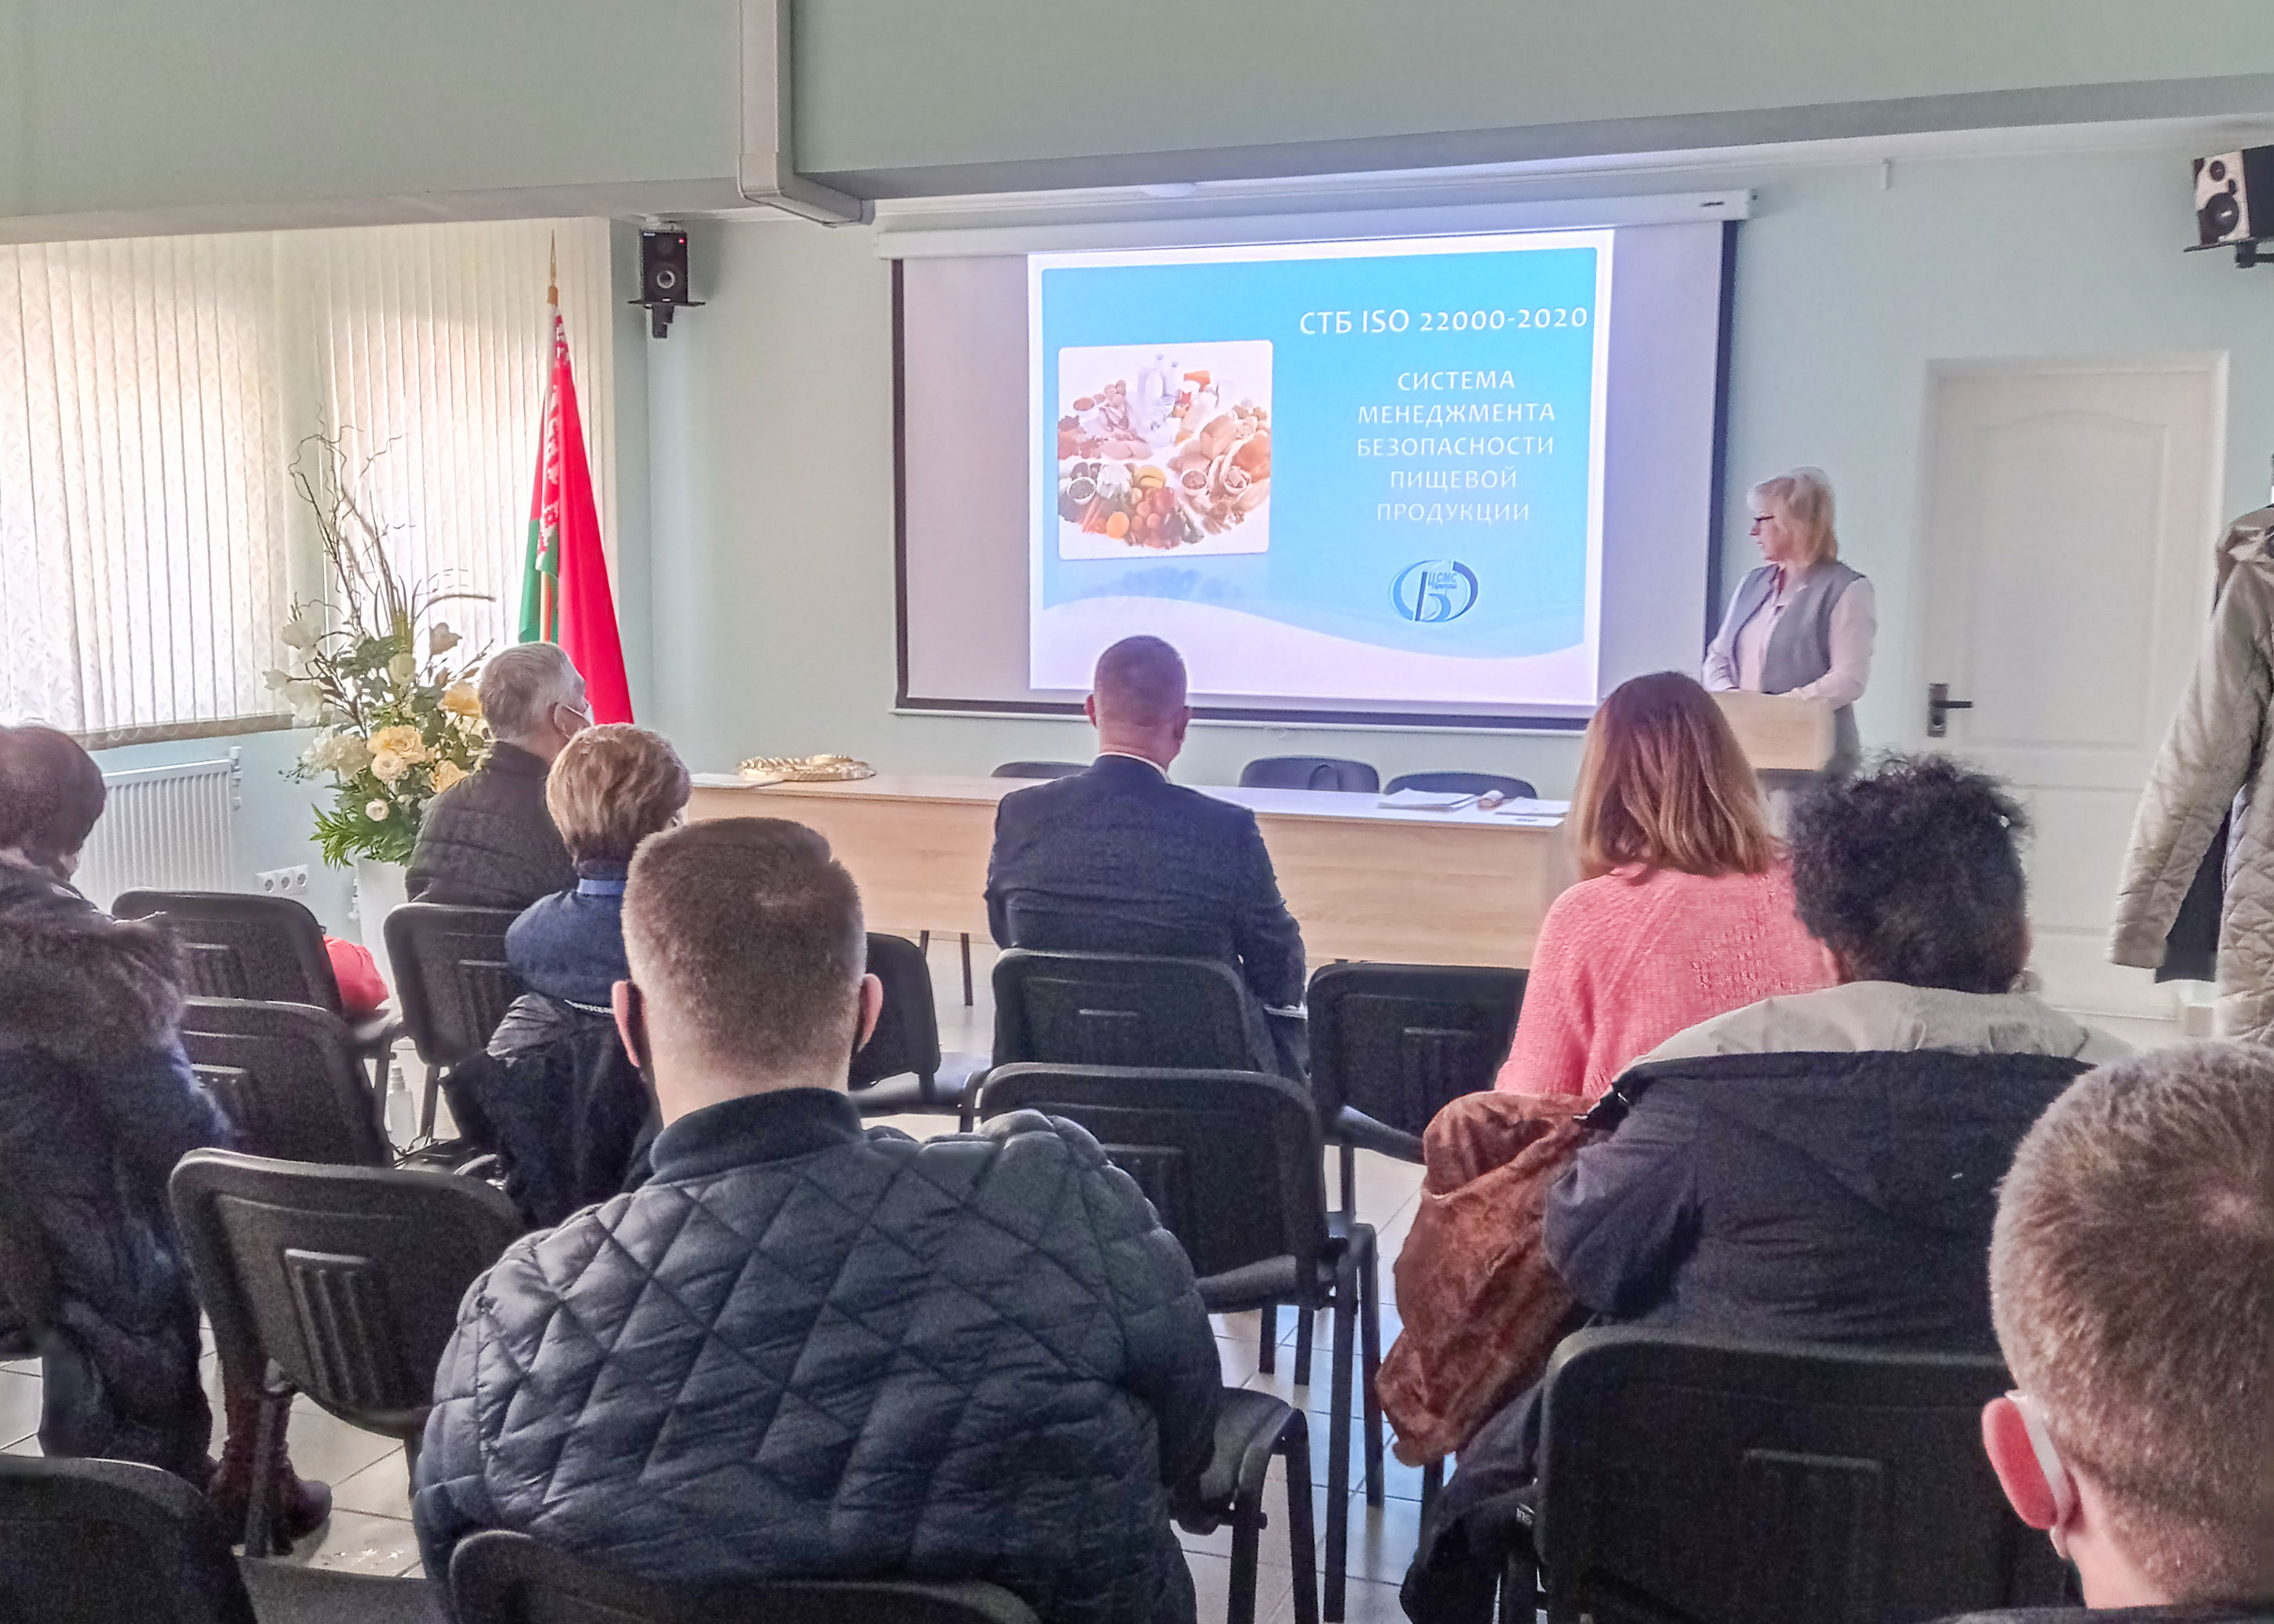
803, 769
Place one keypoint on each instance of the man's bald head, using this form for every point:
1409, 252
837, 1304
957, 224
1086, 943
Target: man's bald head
1137, 699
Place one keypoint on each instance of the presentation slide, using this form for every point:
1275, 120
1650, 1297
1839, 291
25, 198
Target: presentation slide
1366, 473
1360, 477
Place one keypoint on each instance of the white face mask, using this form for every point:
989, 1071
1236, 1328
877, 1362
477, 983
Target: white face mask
2049, 1461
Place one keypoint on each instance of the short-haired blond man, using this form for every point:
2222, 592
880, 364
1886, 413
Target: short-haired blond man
2132, 1280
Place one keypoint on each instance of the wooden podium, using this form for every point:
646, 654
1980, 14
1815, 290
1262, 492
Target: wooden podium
1780, 734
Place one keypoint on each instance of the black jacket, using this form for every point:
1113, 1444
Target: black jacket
97, 1103
1117, 859
488, 842
806, 1349
1800, 1197
562, 1104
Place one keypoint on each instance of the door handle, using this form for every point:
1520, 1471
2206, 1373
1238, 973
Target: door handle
1939, 707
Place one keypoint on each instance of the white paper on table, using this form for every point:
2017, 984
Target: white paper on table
1534, 811
725, 781
1427, 800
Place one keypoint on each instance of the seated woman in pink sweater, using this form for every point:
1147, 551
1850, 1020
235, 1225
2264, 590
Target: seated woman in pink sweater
1683, 910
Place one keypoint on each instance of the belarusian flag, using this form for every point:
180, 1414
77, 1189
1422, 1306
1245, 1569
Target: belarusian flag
565, 597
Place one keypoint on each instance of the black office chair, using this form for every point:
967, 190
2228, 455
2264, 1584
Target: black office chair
901, 1068
287, 1077
235, 945
1391, 1044
1120, 1009
1464, 783
1309, 772
1685, 1478
500, 1577
1231, 1162
452, 978
343, 1283
1040, 769
112, 1542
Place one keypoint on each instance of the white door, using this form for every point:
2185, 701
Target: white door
2064, 581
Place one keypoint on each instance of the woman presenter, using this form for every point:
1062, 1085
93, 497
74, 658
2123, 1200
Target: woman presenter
1801, 624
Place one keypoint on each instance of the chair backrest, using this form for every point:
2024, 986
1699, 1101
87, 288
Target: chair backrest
288, 1078
502, 1577
1120, 1009
1309, 772
451, 976
907, 1038
111, 1542
1728, 1484
1397, 1042
1230, 1159
348, 1278
234, 944
1040, 769
1464, 783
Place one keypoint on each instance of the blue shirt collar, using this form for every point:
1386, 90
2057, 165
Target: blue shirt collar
600, 879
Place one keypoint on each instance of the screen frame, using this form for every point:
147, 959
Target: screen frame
1280, 715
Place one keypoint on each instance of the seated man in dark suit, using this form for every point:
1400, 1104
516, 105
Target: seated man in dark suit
1117, 859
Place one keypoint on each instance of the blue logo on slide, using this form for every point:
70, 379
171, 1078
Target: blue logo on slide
1434, 591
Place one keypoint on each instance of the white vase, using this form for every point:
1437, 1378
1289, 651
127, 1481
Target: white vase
380, 890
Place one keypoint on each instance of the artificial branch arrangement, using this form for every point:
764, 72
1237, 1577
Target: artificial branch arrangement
395, 731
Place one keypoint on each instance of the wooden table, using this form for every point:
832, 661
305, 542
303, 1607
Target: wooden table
1365, 882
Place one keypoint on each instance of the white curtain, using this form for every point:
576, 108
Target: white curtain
153, 393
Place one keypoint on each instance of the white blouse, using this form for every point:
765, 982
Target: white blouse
1739, 652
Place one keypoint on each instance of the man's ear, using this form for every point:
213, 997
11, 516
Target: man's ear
872, 1008
2006, 1441
1183, 721
624, 998
1090, 708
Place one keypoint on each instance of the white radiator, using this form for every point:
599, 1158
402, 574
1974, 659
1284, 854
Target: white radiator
166, 828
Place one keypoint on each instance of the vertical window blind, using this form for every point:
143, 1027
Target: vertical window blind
153, 393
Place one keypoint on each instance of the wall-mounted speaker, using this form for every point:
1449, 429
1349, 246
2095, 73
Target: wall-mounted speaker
2234, 197
663, 278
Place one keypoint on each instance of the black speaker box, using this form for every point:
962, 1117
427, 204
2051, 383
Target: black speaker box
663, 268
2234, 197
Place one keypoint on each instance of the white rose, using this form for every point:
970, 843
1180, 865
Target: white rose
297, 633
388, 765
376, 811
402, 667
440, 640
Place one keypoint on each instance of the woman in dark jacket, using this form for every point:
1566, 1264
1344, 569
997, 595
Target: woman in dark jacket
1816, 1169
97, 1103
555, 1095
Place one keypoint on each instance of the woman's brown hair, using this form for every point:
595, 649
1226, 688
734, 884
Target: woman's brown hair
1663, 783
611, 787
51, 792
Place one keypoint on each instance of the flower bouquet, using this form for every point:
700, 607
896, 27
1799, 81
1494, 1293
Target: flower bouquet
394, 731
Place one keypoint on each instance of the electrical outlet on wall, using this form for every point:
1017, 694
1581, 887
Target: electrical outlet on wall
285, 881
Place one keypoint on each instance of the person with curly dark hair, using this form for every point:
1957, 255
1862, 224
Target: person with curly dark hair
1821, 1167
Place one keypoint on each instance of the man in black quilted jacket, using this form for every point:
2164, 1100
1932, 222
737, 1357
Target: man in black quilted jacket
806, 1349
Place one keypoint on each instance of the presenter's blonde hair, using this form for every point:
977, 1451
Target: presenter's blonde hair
1663, 783
1802, 499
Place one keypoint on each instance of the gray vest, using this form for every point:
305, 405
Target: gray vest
1800, 648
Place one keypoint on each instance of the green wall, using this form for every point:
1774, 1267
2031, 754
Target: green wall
180, 115
769, 417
